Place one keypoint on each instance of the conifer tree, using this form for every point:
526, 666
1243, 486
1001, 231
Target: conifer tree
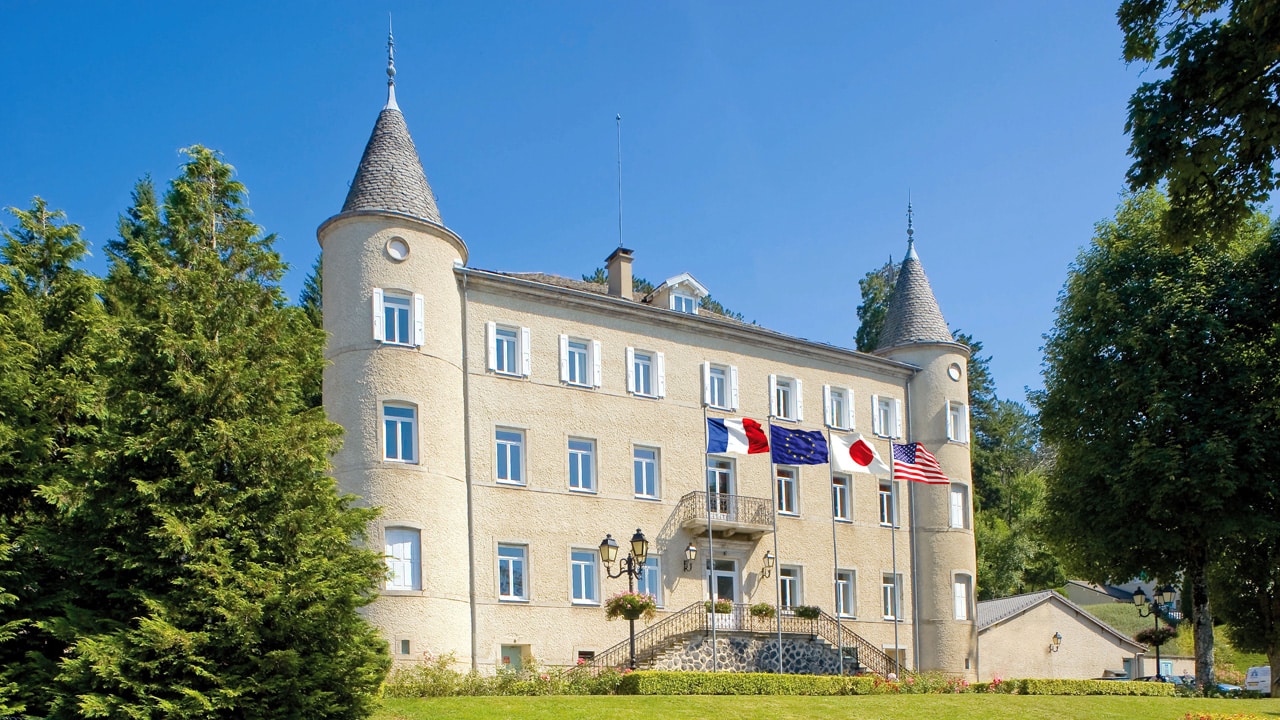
222, 572
52, 329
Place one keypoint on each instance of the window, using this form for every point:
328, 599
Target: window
403, 566
962, 585
684, 303
512, 581
846, 593
839, 406
840, 504
891, 594
510, 452
403, 647
586, 656
788, 491
957, 422
579, 362
508, 349
720, 485
785, 398
886, 416
720, 386
651, 579
789, 587
888, 516
582, 574
959, 506
399, 433
582, 464
645, 471
646, 373
397, 318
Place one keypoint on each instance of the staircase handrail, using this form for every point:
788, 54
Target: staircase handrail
866, 654
690, 619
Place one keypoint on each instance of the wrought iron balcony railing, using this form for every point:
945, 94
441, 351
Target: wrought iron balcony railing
725, 513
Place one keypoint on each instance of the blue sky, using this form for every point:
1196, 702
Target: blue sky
768, 148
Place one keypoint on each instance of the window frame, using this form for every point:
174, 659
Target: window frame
842, 500
590, 351
729, 374
962, 607
510, 560
891, 583
792, 496
590, 454
892, 503
958, 500
399, 434
847, 608
652, 567
791, 575
843, 419
586, 560
886, 416
415, 327
521, 364
413, 562
655, 463
521, 455
957, 415
677, 298
789, 407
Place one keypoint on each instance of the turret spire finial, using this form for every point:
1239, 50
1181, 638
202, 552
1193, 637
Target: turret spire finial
911, 232
391, 67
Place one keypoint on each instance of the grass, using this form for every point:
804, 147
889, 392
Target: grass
882, 707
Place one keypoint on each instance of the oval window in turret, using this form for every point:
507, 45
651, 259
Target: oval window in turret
397, 248
953, 372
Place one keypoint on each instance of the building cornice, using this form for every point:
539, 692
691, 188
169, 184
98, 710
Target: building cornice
431, 227
708, 326
950, 346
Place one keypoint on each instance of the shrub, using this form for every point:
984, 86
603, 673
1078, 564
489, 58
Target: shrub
722, 606
762, 610
435, 676
1076, 687
652, 682
808, 612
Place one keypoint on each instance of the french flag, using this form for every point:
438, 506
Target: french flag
740, 436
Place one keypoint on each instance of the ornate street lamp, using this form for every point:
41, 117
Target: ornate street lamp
1163, 596
690, 555
632, 566
768, 565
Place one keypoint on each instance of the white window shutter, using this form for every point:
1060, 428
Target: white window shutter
662, 374
733, 387
773, 395
799, 387
951, 426
491, 340
419, 322
826, 406
706, 383
564, 358
377, 314
631, 370
897, 418
877, 427
596, 377
526, 351
848, 408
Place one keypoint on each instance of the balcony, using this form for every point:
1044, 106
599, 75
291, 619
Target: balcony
727, 514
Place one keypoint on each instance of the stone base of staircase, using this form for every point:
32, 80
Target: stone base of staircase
753, 652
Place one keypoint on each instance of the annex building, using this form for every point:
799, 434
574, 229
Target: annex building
505, 422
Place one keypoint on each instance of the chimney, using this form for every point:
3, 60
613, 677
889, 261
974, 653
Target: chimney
618, 267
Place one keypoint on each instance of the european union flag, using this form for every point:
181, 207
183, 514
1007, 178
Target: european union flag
797, 447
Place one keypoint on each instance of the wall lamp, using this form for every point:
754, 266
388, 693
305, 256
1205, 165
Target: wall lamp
690, 554
1057, 642
768, 565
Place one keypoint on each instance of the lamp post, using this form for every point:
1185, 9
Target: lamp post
1163, 596
631, 566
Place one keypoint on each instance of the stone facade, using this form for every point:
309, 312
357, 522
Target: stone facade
752, 652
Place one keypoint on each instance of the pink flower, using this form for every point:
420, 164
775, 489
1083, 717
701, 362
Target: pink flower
545, 677
581, 661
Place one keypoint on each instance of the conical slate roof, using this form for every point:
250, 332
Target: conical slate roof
390, 175
913, 315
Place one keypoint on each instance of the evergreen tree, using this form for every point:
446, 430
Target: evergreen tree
222, 573
876, 288
52, 329
311, 299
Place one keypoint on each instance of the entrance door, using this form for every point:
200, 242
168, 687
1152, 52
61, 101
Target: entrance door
720, 488
724, 586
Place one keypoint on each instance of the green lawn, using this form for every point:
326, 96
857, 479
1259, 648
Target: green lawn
751, 707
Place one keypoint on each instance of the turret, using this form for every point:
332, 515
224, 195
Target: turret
394, 381
942, 515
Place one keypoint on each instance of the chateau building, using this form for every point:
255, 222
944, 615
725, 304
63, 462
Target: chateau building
505, 422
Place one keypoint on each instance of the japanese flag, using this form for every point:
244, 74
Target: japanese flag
853, 453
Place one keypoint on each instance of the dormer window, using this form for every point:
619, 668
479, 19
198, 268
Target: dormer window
680, 302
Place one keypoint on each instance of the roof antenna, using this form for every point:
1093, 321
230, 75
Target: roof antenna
391, 68
619, 119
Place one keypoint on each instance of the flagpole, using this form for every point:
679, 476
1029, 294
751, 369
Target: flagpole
711, 547
777, 565
835, 559
893, 548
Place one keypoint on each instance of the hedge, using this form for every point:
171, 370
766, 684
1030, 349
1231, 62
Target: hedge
653, 682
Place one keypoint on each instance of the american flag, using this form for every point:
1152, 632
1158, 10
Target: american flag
914, 463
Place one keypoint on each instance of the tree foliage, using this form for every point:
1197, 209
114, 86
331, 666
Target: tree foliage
876, 288
1146, 404
1209, 126
206, 566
